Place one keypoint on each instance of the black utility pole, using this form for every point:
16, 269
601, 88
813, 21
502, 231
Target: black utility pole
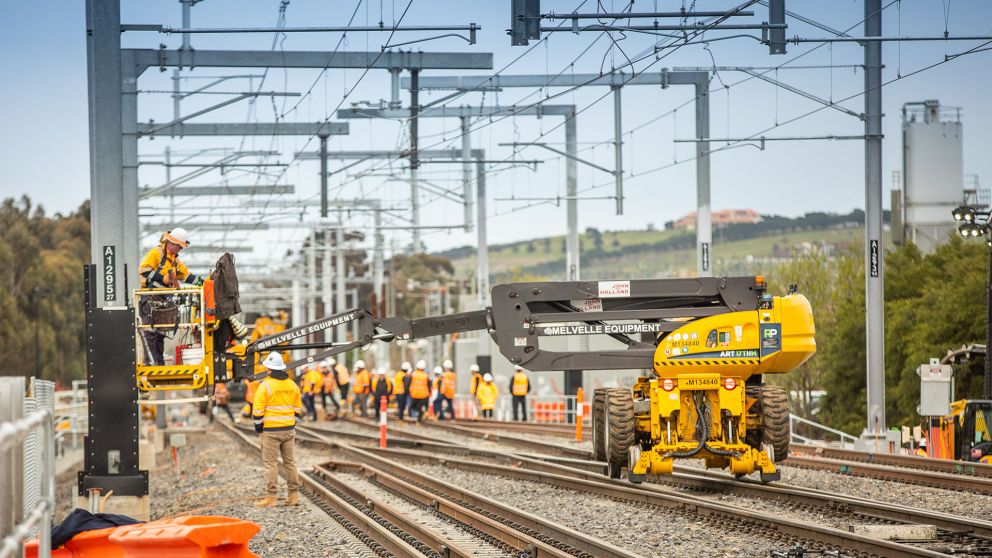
974, 221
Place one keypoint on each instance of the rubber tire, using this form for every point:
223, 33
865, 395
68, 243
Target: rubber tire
620, 428
773, 408
598, 418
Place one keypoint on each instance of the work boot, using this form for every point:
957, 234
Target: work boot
293, 499
267, 502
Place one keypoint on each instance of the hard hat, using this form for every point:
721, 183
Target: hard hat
178, 236
488, 377
380, 371
327, 362
421, 365
437, 370
332, 361
359, 364
517, 367
448, 364
405, 367
274, 362
474, 368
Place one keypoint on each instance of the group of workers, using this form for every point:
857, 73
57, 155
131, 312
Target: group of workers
415, 392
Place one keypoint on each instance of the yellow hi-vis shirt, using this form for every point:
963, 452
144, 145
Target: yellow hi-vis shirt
486, 392
313, 380
153, 269
277, 403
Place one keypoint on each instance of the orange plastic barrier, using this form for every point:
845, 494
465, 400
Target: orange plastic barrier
200, 536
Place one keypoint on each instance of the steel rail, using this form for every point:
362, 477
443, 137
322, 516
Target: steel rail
967, 531
886, 472
509, 440
562, 430
459, 513
908, 461
654, 496
354, 520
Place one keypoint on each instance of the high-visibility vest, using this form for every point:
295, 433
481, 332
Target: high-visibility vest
436, 385
312, 381
250, 390
375, 382
520, 383
419, 385
157, 264
362, 381
476, 380
448, 382
329, 382
398, 388
343, 375
487, 395
277, 403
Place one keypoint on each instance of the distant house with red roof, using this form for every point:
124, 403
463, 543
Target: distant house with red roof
720, 218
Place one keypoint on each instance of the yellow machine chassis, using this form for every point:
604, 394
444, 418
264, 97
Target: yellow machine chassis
709, 361
176, 376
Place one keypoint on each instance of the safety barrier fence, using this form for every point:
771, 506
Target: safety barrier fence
39, 517
541, 409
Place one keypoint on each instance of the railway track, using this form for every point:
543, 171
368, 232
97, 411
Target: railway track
957, 535
417, 516
887, 472
907, 461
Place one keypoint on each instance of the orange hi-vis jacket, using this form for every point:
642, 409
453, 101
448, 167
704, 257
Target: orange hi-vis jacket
448, 382
362, 378
521, 385
312, 382
419, 385
398, 382
330, 383
389, 384
344, 376
277, 404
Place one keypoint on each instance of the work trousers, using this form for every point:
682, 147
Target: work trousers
323, 401
310, 404
344, 391
450, 404
420, 406
274, 444
154, 340
487, 413
438, 400
520, 401
401, 400
227, 409
362, 400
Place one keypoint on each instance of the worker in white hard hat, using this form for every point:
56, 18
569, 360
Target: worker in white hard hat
446, 393
162, 268
381, 387
399, 388
418, 387
343, 377
276, 409
363, 380
329, 386
519, 388
487, 395
436, 399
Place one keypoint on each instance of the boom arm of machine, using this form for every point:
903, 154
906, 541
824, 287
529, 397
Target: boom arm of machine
638, 313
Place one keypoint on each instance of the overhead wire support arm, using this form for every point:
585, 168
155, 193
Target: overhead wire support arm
641, 15
690, 27
471, 28
559, 152
232, 100
802, 93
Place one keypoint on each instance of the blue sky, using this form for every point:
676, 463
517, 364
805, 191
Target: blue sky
44, 151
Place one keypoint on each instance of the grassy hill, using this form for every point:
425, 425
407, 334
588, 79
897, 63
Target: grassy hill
666, 253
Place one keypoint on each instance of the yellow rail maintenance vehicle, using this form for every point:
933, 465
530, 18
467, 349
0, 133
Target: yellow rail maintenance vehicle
705, 399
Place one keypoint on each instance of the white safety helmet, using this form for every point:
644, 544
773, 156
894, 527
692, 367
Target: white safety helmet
448, 364
421, 365
178, 236
517, 367
380, 371
332, 361
474, 368
274, 362
438, 370
405, 366
488, 377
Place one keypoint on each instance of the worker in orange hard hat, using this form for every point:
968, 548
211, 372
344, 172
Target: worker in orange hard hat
161, 268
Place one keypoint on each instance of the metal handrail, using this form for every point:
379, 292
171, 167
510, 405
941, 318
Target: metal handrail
844, 436
11, 434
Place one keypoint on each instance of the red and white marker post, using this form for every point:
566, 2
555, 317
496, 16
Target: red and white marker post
383, 405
